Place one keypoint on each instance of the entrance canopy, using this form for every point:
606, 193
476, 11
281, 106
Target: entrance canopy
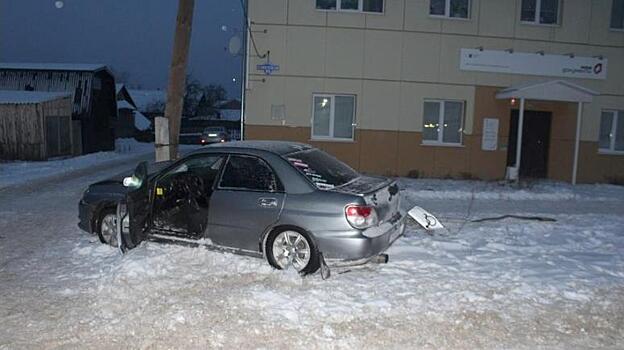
553, 90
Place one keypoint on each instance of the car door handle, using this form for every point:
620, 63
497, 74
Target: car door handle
267, 202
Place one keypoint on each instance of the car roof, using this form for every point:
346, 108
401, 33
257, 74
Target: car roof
277, 147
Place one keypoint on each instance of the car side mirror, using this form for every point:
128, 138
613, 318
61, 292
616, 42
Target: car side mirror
138, 178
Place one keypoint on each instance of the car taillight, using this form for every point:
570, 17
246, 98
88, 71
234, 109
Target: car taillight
361, 216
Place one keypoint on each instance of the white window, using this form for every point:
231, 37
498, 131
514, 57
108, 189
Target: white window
540, 11
333, 117
611, 131
450, 8
373, 6
443, 122
617, 15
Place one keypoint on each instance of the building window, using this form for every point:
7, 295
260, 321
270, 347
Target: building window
617, 15
540, 11
443, 122
333, 117
611, 131
372, 6
450, 8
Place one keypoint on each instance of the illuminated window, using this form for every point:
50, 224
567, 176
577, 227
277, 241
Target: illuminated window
333, 117
443, 122
540, 11
373, 6
611, 131
450, 8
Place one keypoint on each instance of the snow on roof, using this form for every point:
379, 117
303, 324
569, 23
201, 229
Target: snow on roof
118, 87
123, 104
230, 114
25, 97
87, 67
144, 98
140, 121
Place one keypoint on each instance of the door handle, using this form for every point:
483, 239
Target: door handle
267, 202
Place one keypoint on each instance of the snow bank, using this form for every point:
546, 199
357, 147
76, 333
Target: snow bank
21, 172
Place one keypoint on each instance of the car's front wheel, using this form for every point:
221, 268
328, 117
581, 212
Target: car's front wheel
108, 228
292, 248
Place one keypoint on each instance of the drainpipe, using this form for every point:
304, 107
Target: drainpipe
519, 138
579, 114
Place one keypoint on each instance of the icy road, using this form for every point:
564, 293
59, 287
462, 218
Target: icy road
494, 284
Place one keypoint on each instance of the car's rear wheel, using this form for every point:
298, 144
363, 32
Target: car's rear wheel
292, 248
108, 228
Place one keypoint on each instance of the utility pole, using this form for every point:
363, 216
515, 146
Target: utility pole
167, 147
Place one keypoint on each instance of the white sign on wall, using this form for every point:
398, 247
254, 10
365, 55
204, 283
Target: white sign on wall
489, 142
566, 66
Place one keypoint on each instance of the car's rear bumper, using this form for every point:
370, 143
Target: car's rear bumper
354, 247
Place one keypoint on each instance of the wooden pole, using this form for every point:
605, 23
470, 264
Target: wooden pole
177, 80
579, 116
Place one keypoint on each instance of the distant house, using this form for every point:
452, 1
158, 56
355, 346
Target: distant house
130, 121
92, 91
150, 103
229, 110
36, 125
122, 94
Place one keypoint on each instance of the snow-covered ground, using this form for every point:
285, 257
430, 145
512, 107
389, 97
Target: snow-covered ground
22, 172
495, 284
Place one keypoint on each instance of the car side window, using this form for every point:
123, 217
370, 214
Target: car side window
249, 173
207, 167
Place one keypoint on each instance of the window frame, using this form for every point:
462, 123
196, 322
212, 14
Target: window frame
614, 123
447, 12
538, 10
440, 141
360, 8
611, 19
278, 182
332, 119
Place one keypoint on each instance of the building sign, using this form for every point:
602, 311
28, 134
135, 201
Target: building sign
489, 142
567, 66
268, 68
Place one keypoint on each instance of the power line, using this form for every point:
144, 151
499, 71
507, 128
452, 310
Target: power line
248, 26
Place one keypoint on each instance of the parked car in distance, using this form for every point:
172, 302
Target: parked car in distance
214, 134
289, 203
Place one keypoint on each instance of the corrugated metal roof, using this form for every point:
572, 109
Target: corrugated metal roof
82, 67
25, 97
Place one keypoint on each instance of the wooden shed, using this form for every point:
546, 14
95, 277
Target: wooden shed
36, 125
92, 90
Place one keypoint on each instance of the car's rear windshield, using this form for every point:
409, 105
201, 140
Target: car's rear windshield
325, 171
207, 130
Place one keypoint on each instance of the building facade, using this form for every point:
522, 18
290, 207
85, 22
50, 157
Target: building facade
421, 87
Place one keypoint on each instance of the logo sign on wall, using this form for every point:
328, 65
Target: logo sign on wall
567, 66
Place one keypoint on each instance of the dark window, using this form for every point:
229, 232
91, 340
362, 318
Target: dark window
206, 167
617, 14
528, 10
249, 173
449, 8
373, 6
540, 11
326, 4
437, 7
325, 171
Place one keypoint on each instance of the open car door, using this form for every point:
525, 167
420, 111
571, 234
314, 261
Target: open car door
133, 212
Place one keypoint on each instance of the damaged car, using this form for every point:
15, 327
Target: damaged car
289, 203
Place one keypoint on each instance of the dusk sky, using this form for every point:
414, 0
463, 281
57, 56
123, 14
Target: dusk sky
132, 36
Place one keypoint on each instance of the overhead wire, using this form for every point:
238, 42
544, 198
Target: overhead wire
251, 37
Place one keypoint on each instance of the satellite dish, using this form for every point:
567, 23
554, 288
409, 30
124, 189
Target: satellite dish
234, 45
59, 4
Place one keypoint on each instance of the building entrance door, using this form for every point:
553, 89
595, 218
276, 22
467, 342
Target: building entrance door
535, 143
